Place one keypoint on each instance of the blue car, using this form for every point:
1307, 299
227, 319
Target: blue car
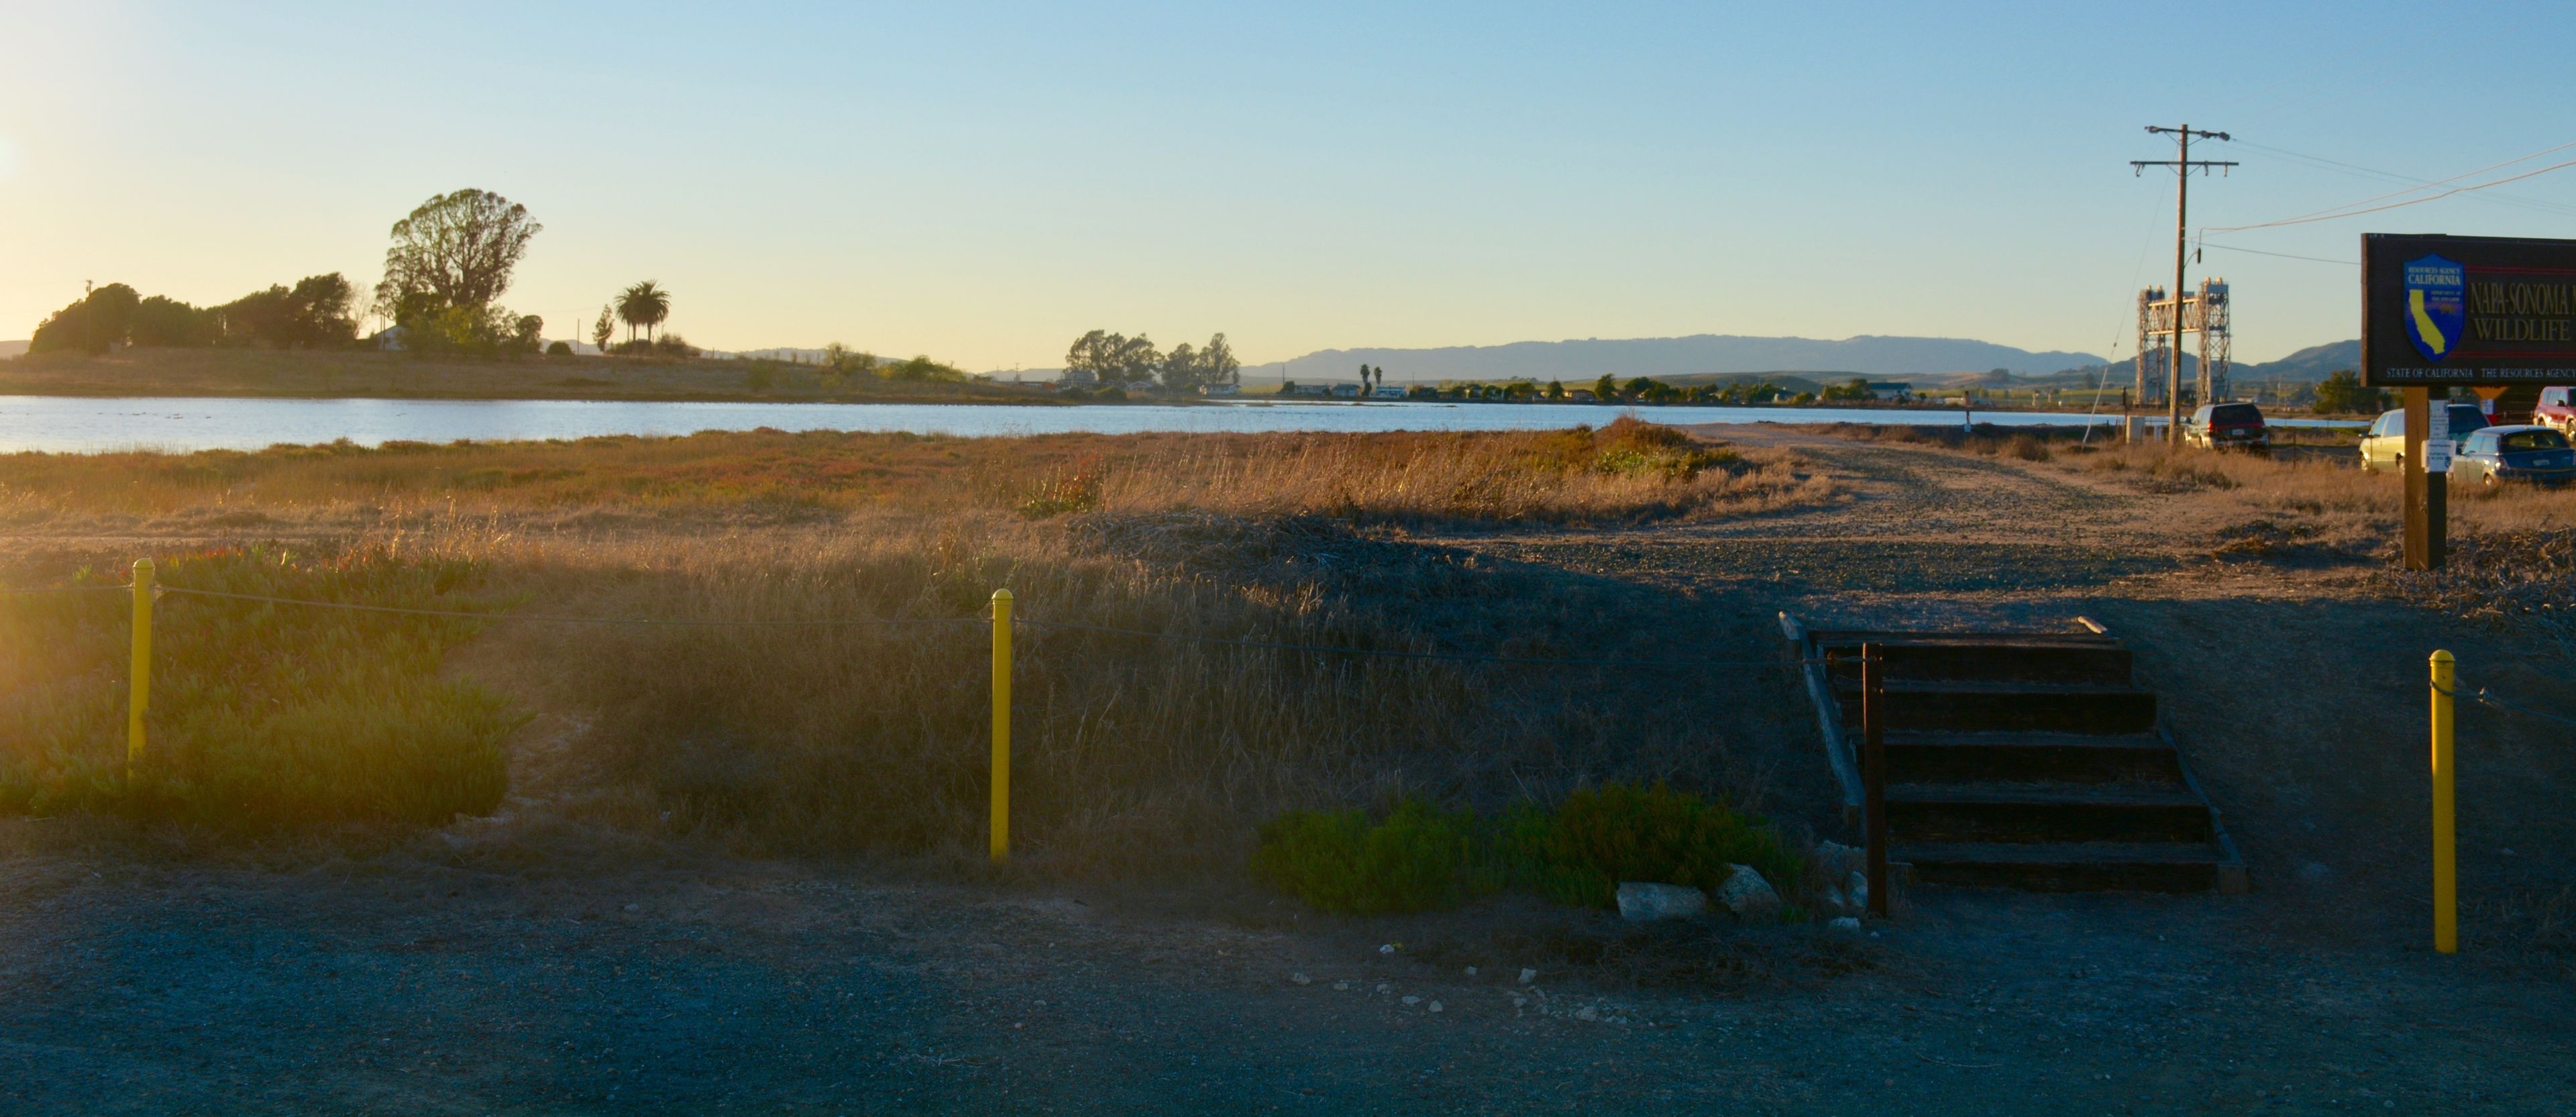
2495, 455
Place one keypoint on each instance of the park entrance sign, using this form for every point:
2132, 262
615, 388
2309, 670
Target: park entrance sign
2467, 311
2443, 312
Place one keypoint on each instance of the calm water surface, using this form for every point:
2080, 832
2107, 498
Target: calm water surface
66, 424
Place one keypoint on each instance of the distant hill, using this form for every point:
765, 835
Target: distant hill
2307, 366
10, 349
1670, 357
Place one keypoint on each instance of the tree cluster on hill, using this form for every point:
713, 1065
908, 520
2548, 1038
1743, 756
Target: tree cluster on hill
1116, 360
312, 314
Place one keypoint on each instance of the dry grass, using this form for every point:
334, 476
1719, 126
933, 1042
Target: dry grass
1133, 755
1627, 471
2035, 444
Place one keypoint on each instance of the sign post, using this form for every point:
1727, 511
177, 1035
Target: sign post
2439, 312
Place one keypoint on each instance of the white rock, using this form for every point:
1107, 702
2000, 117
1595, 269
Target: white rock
1411, 999
1836, 856
1300, 979
1858, 888
1383, 987
1748, 895
1642, 902
1435, 1006
1471, 971
1341, 986
1528, 975
1845, 923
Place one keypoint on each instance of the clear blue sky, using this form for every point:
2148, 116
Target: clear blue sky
984, 182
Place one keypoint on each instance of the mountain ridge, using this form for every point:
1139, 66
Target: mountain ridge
1697, 354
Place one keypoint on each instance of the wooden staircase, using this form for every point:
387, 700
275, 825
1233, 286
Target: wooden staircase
2018, 759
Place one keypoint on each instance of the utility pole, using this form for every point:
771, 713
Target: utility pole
2182, 163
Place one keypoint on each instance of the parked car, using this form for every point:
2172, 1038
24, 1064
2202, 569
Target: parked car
2495, 455
2385, 446
2227, 426
2557, 409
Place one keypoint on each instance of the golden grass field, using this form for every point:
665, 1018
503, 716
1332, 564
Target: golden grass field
1134, 754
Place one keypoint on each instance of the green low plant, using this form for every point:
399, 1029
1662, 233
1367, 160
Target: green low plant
1417, 857
1578, 853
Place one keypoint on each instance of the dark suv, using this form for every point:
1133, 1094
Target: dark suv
2227, 426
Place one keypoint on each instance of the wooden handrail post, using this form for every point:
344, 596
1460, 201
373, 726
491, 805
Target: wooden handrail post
1873, 767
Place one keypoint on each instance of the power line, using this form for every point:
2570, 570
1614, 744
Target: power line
2348, 210
2283, 255
2358, 171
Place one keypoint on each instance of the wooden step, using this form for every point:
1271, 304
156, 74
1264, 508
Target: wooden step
1980, 812
1934, 757
2054, 659
2012, 706
2074, 866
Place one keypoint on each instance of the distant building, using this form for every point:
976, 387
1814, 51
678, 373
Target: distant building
1386, 391
389, 339
1220, 389
1581, 395
1901, 391
1078, 378
1346, 391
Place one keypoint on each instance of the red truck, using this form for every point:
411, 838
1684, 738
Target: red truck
2557, 409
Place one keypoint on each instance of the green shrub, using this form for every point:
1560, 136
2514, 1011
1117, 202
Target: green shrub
263, 716
1600, 836
1419, 857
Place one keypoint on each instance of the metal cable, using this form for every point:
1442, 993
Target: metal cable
562, 619
2481, 697
64, 589
1455, 657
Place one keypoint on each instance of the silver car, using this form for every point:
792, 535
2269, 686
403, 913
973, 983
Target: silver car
2385, 446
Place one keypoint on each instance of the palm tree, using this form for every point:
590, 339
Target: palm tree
645, 304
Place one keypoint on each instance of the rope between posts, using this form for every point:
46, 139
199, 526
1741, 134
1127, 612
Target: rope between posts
1455, 657
65, 589
1270, 645
2483, 698
564, 619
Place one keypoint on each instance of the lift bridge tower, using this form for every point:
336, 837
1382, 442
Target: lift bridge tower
2203, 313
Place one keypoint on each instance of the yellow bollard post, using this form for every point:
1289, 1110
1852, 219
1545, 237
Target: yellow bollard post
1001, 725
139, 696
2446, 869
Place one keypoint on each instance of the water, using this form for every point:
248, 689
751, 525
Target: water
82, 425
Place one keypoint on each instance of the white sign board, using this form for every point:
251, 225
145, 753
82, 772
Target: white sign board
2437, 438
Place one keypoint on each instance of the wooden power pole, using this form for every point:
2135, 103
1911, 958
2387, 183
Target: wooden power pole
2182, 163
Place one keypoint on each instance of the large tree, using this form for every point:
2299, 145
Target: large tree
645, 304
1114, 358
454, 252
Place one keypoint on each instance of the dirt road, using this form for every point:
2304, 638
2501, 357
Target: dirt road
537, 964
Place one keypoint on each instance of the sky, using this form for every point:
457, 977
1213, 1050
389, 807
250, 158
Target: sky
984, 182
